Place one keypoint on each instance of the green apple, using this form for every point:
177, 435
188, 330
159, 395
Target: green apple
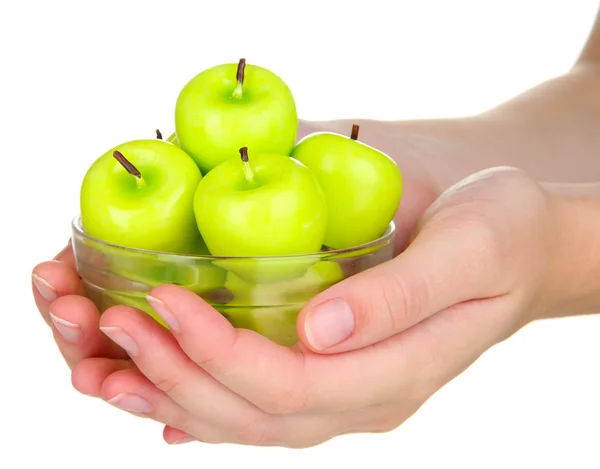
362, 186
272, 310
268, 269
317, 278
265, 205
233, 105
149, 271
140, 195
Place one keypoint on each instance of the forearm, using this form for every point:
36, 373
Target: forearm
575, 256
550, 131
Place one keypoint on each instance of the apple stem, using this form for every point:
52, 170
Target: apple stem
159, 135
354, 134
247, 169
237, 93
129, 167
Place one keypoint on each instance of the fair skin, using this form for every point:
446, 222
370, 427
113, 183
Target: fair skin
481, 254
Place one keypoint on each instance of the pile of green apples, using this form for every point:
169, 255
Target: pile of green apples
233, 182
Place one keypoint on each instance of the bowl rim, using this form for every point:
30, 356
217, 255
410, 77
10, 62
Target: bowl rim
383, 240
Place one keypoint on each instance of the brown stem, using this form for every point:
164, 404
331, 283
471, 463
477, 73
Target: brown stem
354, 134
127, 164
158, 135
244, 154
248, 173
240, 71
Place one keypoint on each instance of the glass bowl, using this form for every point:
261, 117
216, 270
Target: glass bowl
263, 294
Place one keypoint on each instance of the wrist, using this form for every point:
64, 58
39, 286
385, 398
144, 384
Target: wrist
574, 264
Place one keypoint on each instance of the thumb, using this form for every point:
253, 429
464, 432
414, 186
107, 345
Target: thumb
442, 267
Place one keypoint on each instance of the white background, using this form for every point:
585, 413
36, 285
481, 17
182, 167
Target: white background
79, 77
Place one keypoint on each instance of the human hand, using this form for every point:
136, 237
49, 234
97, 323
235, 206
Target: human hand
478, 269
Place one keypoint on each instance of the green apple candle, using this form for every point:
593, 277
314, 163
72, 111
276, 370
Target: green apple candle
362, 186
266, 205
230, 106
140, 195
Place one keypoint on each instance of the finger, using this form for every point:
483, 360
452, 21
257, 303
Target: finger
67, 255
174, 436
279, 380
88, 375
51, 280
453, 260
75, 322
131, 391
424, 358
284, 381
161, 360
244, 361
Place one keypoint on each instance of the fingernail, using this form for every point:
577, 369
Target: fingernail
186, 439
329, 323
44, 288
118, 336
162, 310
70, 332
131, 403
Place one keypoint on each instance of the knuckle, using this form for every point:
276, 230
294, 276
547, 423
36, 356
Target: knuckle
168, 385
399, 302
216, 358
206, 361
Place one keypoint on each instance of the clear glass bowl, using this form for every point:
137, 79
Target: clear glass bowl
264, 294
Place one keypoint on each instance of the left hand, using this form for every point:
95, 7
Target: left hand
478, 269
